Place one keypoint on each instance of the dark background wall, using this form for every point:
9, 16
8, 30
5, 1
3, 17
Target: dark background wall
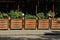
30, 6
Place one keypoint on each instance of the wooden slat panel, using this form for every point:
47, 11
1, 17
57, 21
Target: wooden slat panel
43, 24
30, 24
16, 24
4, 23
55, 24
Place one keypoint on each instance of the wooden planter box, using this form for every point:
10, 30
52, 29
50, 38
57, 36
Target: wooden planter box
30, 23
4, 23
43, 24
55, 24
16, 23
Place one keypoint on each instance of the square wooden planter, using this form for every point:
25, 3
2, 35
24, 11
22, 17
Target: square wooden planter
16, 23
43, 24
4, 23
30, 23
55, 24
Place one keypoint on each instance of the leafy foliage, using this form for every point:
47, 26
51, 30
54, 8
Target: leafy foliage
15, 14
28, 16
41, 15
49, 13
3, 15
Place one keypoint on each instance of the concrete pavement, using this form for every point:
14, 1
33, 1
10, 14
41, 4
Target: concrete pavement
24, 32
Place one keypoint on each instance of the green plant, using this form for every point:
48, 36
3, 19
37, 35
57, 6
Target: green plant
15, 14
3, 15
40, 15
28, 16
49, 13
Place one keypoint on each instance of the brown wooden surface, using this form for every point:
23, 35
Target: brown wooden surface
43, 24
16, 24
4, 23
55, 24
30, 23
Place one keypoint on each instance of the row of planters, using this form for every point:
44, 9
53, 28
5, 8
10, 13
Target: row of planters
33, 22
17, 20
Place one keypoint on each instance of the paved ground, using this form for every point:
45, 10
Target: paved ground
29, 34
14, 32
22, 32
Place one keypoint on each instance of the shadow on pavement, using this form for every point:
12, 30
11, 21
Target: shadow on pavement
54, 35
12, 38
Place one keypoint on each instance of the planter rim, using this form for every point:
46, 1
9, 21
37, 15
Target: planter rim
17, 18
29, 18
0, 19
57, 19
43, 19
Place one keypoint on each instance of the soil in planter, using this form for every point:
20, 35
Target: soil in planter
30, 24
16, 24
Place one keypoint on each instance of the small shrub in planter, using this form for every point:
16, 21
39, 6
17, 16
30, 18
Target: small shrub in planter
4, 22
30, 22
55, 23
49, 14
43, 23
16, 19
